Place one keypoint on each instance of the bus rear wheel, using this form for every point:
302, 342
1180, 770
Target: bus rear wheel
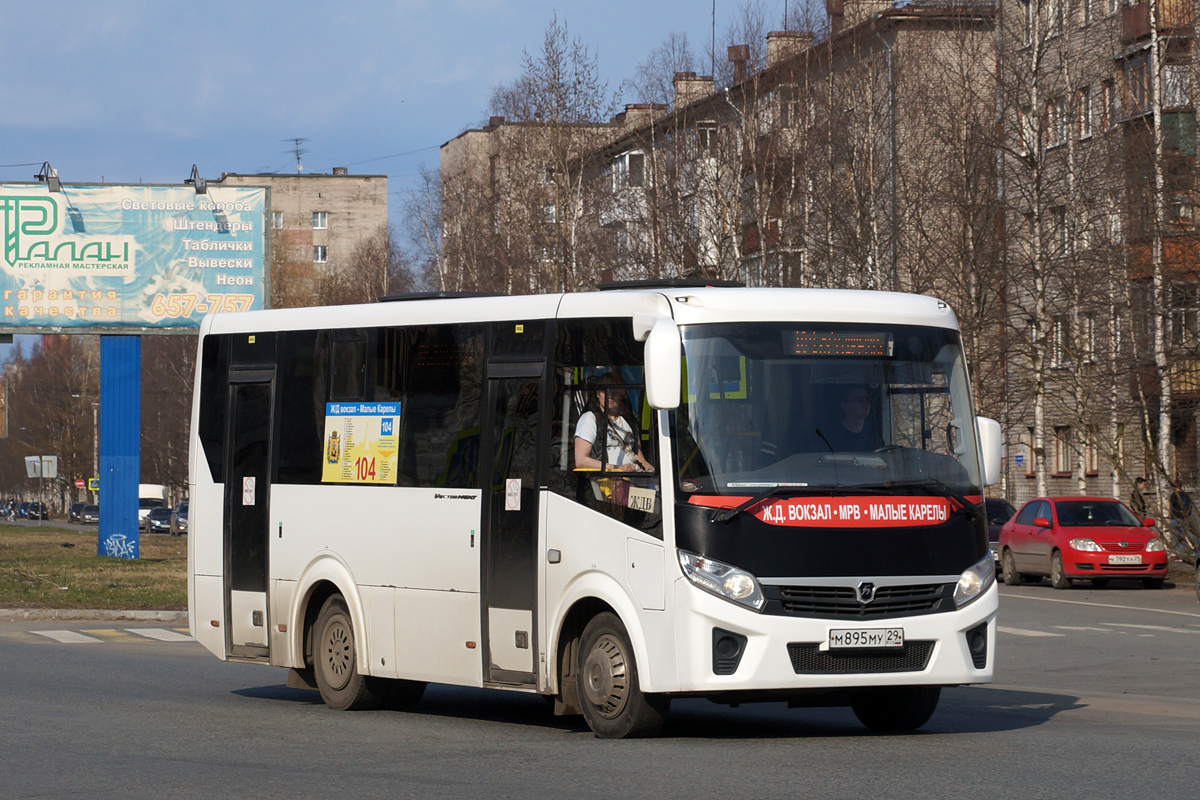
336, 661
895, 709
610, 698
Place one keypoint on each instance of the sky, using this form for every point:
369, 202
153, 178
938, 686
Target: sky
128, 91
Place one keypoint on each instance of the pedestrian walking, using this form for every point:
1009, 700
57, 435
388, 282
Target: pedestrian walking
1138, 499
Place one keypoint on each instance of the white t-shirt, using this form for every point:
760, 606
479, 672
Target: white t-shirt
620, 438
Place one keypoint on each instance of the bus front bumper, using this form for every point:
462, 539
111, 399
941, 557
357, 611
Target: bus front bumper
724, 647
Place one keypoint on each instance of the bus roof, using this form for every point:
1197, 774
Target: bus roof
687, 305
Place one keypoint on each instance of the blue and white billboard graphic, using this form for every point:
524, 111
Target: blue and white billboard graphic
120, 256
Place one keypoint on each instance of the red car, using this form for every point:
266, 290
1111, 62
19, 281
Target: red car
1067, 538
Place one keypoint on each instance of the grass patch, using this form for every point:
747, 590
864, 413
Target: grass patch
52, 567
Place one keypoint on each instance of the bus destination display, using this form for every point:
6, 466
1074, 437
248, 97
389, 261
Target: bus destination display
839, 343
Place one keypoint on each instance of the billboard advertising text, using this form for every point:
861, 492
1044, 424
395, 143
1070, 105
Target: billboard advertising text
114, 257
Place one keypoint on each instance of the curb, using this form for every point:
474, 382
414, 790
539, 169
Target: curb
173, 617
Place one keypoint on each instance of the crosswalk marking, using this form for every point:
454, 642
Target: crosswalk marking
68, 637
110, 634
1022, 632
161, 634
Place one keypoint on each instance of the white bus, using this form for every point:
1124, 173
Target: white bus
783, 504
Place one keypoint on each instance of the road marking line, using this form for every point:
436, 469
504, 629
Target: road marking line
68, 637
1008, 596
161, 634
1020, 632
1083, 628
1150, 627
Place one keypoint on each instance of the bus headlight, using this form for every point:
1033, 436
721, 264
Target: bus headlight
975, 581
723, 580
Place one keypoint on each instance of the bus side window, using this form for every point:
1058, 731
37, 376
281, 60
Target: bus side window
440, 410
617, 477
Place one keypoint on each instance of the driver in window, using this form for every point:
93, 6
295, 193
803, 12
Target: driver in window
623, 451
855, 433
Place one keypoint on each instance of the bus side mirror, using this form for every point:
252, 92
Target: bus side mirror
663, 365
989, 449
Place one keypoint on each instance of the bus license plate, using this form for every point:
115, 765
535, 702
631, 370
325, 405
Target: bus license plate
865, 638
1134, 559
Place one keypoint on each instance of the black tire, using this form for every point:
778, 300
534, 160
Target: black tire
1058, 578
610, 698
403, 695
1099, 583
1153, 583
335, 661
1009, 567
895, 709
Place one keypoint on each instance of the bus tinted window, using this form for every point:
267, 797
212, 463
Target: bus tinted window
439, 415
349, 364
214, 390
302, 405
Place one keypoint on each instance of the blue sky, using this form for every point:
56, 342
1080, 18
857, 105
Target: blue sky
139, 90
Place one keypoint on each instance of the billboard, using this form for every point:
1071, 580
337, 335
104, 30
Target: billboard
126, 258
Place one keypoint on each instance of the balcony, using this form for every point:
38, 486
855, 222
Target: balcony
1175, 20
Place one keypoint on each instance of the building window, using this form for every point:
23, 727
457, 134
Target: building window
320, 220
319, 254
276, 219
1137, 78
1184, 305
1028, 131
1062, 450
1057, 13
1088, 338
1028, 10
1056, 121
1092, 453
1085, 113
1108, 104
706, 137
1026, 451
1059, 330
550, 214
1083, 13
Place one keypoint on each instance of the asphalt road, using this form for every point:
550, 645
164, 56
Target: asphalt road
1097, 695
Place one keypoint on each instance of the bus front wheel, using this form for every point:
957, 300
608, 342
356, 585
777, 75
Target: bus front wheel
610, 698
896, 708
336, 661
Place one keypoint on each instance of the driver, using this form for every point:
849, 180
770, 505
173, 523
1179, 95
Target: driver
854, 433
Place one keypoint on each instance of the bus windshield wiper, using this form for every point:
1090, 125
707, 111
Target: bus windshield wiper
931, 486
728, 513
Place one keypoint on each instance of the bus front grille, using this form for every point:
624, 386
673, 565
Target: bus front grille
808, 659
840, 602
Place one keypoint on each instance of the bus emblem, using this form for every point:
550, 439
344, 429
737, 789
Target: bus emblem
865, 592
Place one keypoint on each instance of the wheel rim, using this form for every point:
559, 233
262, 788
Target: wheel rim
337, 652
605, 677
1007, 567
1056, 570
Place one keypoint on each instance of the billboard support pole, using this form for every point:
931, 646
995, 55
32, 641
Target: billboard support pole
120, 443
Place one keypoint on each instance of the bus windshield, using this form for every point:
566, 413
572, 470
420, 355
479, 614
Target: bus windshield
773, 407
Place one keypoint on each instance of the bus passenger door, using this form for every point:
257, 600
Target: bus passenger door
246, 512
511, 456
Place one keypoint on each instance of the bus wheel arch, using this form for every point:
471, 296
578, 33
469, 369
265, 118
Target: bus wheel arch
566, 653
